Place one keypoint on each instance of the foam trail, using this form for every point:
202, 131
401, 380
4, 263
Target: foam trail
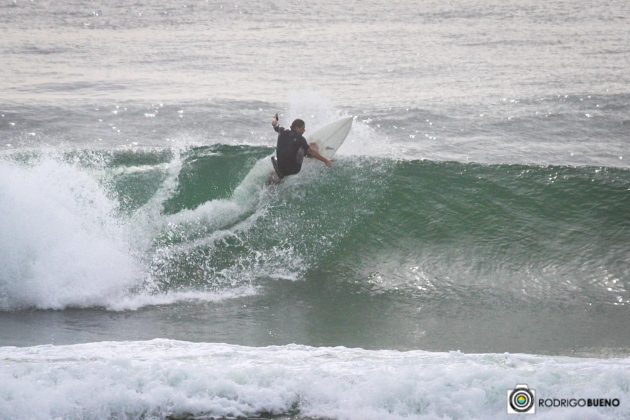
146, 221
185, 242
218, 234
162, 378
221, 214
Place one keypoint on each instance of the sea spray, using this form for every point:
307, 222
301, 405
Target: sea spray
60, 242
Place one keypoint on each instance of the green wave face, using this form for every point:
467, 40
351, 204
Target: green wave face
488, 234
433, 231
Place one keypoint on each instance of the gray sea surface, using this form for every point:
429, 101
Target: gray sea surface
124, 97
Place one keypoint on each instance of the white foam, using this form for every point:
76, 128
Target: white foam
189, 235
139, 169
140, 300
222, 212
60, 243
216, 219
146, 221
63, 243
164, 377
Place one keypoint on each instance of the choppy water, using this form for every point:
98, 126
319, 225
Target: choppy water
479, 204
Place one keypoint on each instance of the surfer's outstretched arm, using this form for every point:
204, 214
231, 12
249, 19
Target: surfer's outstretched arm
275, 124
313, 150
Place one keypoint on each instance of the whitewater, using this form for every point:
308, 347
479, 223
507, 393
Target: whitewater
161, 378
471, 236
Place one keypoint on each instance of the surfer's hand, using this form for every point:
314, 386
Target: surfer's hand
328, 163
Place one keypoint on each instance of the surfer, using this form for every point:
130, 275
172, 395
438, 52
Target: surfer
292, 147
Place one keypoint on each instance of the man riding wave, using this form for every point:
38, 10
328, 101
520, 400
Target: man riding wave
292, 147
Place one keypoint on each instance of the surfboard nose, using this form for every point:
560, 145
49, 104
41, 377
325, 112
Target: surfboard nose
330, 137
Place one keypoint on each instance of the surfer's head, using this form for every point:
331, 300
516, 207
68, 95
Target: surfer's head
298, 125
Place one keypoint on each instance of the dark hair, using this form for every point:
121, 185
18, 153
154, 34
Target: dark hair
297, 124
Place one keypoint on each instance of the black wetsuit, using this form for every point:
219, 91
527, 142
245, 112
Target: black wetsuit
290, 151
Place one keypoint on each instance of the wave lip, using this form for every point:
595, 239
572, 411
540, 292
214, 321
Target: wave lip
173, 378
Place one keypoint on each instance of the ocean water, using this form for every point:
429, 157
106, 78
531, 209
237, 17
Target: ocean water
473, 233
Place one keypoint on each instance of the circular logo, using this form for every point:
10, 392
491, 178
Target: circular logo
521, 400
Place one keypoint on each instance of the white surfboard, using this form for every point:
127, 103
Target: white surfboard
329, 138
